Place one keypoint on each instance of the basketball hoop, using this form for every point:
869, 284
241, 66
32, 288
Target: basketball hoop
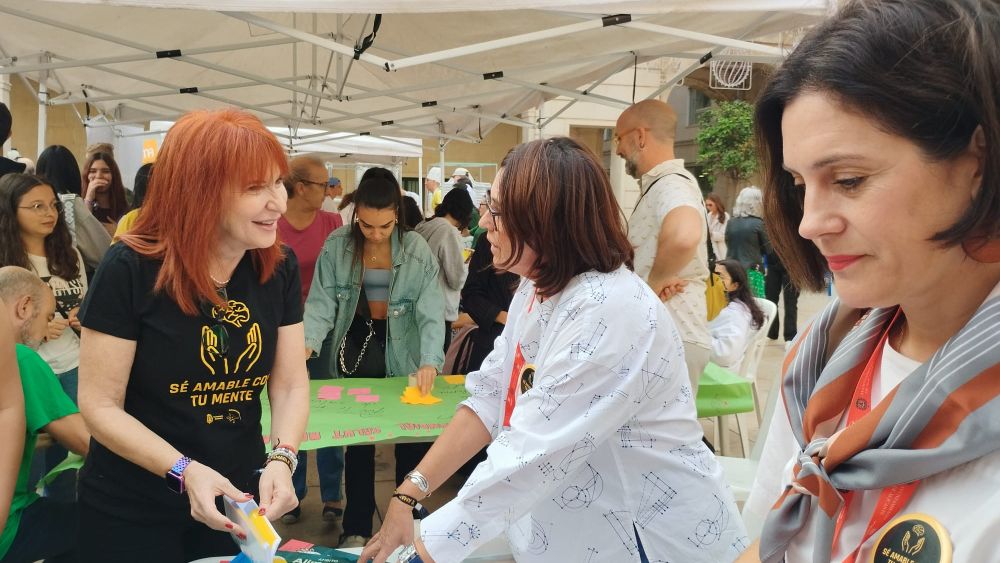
730, 73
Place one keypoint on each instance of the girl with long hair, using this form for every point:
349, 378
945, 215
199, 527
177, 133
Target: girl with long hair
103, 190
376, 288
59, 168
732, 328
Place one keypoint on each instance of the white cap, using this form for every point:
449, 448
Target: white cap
460, 172
434, 173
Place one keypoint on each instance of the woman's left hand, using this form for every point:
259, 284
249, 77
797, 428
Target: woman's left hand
277, 495
397, 530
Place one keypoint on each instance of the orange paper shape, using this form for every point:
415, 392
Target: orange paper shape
412, 396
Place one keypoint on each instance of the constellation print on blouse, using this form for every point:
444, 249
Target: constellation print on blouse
709, 529
551, 400
621, 522
463, 533
585, 348
655, 499
634, 435
581, 495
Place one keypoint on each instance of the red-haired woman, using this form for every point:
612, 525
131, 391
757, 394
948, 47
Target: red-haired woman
595, 452
103, 190
188, 319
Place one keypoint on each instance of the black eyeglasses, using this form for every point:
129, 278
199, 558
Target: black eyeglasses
304, 181
486, 204
218, 336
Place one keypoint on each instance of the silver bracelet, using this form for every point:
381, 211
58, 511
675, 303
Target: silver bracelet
418, 479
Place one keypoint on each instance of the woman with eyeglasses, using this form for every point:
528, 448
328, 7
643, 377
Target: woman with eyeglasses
376, 289
189, 319
595, 452
59, 168
34, 235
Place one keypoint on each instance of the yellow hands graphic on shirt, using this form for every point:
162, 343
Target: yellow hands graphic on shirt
211, 355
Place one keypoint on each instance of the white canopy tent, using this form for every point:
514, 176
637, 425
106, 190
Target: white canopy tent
434, 69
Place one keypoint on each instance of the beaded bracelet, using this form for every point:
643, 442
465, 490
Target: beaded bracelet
405, 499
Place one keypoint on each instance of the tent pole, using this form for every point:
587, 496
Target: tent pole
43, 110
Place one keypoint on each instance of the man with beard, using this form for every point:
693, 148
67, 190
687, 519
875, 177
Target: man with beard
38, 528
668, 226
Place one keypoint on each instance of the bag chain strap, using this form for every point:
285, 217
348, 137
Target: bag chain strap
343, 368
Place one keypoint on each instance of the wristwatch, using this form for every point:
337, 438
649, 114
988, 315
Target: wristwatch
409, 555
175, 476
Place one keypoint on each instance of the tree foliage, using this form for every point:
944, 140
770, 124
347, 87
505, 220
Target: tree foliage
725, 141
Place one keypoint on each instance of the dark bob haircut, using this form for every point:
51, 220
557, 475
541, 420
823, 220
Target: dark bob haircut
556, 199
925, 70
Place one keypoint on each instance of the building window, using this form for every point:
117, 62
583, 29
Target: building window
697, 103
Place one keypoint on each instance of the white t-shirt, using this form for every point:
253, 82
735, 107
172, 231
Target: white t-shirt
63, 353
676, 187
718, 231
731, 331
965, 499
606, 439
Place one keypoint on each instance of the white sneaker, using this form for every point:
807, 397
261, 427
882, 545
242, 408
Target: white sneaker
353, 541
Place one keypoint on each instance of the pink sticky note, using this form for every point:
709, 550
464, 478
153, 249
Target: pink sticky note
360, 391
366, 398
296, 545
331, 389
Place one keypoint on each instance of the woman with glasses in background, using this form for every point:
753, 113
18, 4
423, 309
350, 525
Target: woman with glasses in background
376, 289
34, 236
189, 318
595, 452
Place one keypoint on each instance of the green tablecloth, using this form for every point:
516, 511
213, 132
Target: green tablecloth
348, 420
337, 417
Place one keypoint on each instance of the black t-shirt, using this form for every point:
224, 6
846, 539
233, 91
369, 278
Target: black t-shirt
203, 403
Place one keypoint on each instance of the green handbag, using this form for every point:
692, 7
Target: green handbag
756, 279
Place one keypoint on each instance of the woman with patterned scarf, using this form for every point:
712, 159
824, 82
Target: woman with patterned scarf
880, 138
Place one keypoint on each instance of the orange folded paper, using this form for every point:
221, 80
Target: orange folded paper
412, 396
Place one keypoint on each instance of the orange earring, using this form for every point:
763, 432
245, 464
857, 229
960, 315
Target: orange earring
982, 249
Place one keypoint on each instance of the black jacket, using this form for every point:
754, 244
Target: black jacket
8, 166
485, 294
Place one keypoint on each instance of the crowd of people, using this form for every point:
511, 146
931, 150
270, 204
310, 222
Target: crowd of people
579, 440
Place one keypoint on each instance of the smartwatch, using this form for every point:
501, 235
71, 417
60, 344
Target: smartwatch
175, 476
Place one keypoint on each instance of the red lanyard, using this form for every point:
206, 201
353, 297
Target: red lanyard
892, 499
515, 374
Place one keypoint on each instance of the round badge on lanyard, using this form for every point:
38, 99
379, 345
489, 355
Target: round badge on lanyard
913, 538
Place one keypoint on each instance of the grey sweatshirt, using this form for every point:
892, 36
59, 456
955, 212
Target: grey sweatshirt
446, 244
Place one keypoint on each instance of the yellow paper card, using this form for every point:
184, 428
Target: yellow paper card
412, 396
454, 379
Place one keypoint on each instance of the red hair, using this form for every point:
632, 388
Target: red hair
205, 158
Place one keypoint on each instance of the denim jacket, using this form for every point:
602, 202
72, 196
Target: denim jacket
416, 305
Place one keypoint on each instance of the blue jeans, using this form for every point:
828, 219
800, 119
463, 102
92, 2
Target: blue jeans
329, 461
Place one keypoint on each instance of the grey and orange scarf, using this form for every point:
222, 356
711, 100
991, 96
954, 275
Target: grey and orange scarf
942, 415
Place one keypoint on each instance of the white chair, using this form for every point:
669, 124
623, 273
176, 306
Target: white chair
740, 472
748, 371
